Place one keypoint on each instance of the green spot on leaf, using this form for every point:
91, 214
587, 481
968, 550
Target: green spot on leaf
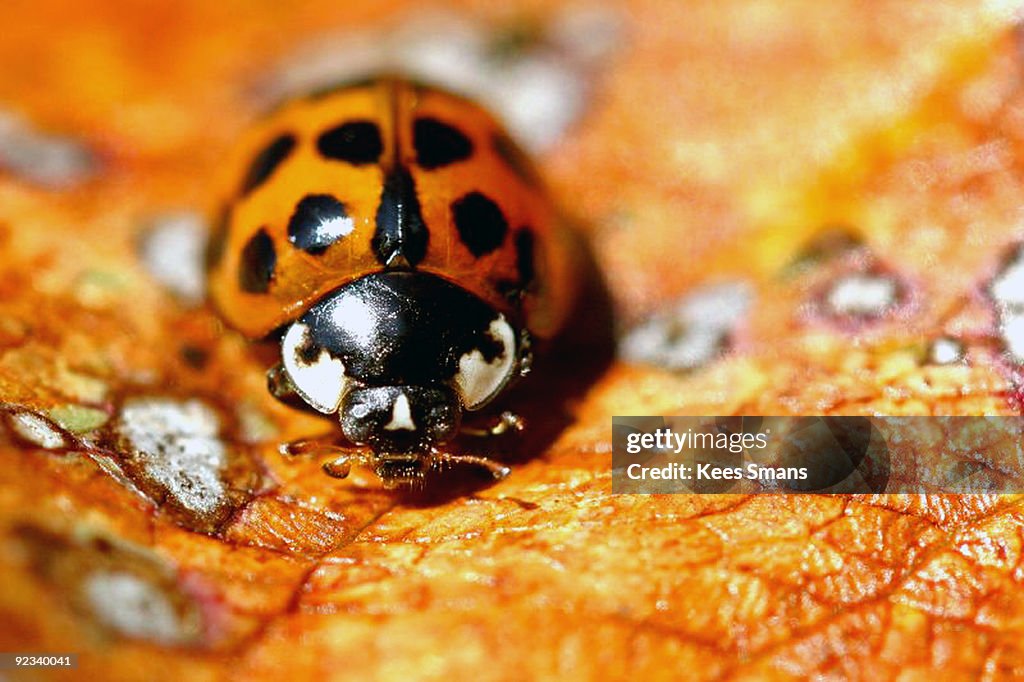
78, 419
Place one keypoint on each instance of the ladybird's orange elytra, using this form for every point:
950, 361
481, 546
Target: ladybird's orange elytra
487, 224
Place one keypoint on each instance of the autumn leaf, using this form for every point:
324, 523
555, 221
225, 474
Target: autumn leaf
798, 209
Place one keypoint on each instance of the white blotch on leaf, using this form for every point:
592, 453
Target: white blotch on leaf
1008, 286
133, 607
1012, 324
859, 295
1007, 291
37, 430
692, 332
47, 160
946, 351
177, 444
172, 251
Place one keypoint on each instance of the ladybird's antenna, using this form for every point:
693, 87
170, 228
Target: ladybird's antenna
308, 447
338, 467
497, 470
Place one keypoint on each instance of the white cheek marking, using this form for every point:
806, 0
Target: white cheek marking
478, 379
321, 383
401, 415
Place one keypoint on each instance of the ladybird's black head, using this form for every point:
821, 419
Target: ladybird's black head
400, 420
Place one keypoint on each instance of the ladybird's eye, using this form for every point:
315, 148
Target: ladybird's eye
316, 375
485, 370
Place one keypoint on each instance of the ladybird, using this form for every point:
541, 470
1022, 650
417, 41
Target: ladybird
400, 248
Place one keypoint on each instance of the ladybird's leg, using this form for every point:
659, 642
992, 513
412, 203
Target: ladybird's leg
507, 421
498, 470
338, 467
525, 353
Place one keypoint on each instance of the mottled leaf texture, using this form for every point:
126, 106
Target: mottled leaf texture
800, 208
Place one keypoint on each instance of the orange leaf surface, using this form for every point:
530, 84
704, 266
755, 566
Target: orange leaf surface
847, 174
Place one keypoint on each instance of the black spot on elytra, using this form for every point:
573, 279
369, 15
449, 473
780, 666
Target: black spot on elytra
480, 222
525, 263
319, 220
525, 266
256, 269
217, 241
439, 144
400, 228
267, 161
515, 158
355, 142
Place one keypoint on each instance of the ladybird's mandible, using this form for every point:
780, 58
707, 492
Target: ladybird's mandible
400, 247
